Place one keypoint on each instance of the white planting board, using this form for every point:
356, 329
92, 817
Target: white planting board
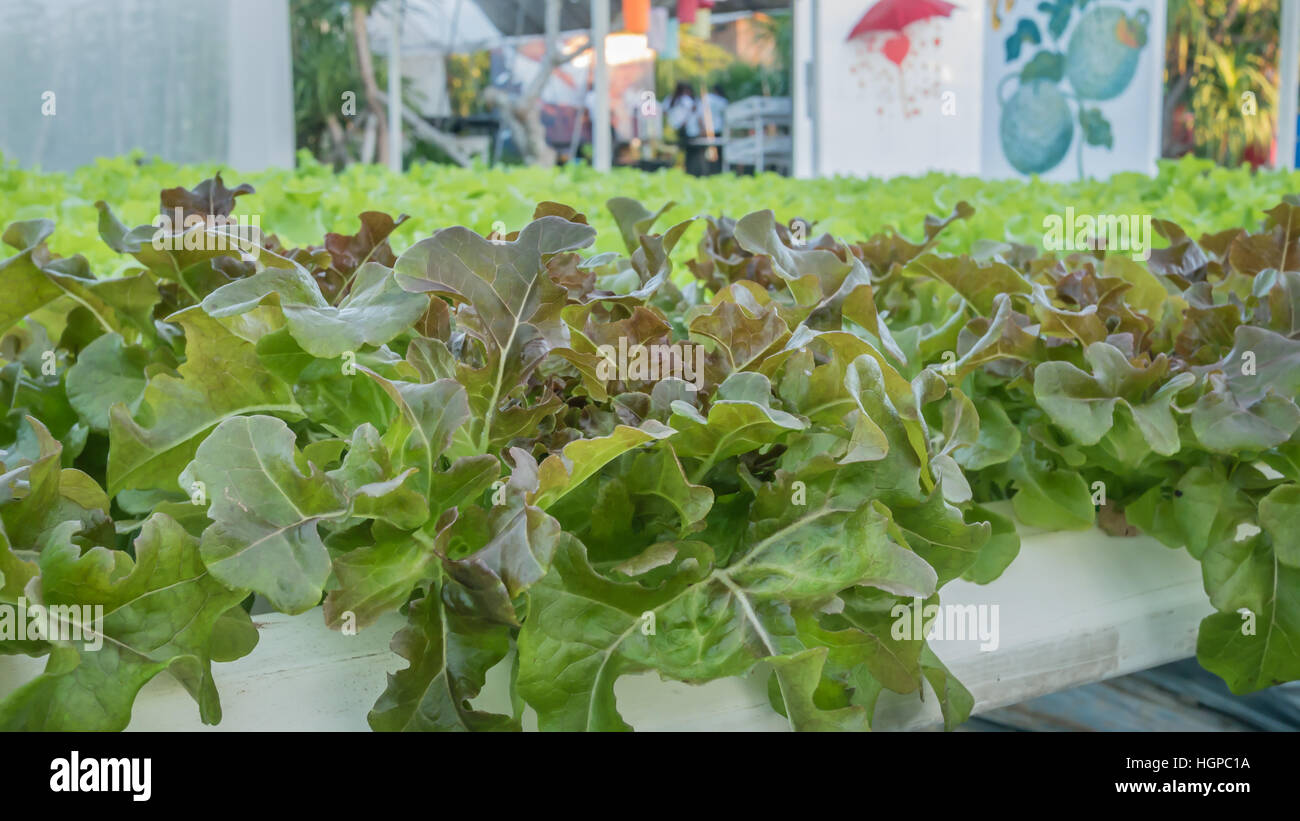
1073, 608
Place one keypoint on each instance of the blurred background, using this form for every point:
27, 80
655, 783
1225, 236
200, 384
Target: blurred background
248, 83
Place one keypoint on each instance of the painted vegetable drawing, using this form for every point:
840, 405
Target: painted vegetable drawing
1099, 62
1036, 127
1103, 53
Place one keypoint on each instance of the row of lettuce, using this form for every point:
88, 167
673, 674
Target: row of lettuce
302, 204
445, 432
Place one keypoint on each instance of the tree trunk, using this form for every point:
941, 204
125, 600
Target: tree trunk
430, 134
1173, 96
523, 114
339, 141
368, 78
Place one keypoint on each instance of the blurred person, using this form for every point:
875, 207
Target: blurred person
683, 111
713, 116
717, 103
685, 114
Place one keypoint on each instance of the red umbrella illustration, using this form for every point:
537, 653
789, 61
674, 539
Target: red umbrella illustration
892, 16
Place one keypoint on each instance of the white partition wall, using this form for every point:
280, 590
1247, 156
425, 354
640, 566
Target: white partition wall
998, 88
260, 65
190, 82
1075, 98
881, 115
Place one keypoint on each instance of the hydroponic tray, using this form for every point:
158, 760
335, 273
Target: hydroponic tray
1073, 608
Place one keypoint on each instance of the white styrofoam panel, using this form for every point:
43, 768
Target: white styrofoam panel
1073, 608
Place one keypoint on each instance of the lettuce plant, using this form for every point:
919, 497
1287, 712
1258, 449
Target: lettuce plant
445, 432
303, 203
1162, 396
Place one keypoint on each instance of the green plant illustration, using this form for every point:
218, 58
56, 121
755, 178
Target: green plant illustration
1037, 124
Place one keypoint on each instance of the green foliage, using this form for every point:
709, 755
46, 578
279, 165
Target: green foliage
432, 424
704, 64
300, 206
467, 76
1221, 66
324, 67
329, 96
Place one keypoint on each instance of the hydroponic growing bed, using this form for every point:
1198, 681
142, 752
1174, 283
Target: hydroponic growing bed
748, 452
1075, 608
